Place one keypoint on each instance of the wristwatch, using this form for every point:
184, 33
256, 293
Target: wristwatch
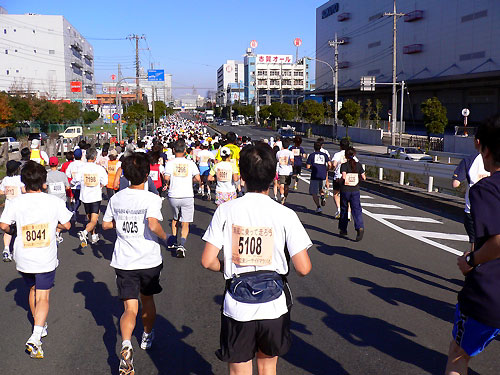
469, 259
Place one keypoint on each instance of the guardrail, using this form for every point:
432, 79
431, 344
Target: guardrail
430, 170
436, 154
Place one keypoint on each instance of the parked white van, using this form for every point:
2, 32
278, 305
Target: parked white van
72, 132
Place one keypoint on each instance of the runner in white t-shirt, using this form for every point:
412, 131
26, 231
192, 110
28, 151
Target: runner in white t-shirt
253, 232
285, 161
37, 216
11, 187
92, 179
136, 215
71, 172
205, 158
226, 174
179, 175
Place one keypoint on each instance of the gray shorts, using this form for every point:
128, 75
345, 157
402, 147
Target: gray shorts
182, 209
315, 186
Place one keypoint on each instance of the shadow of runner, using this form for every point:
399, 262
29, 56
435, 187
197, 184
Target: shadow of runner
104, 308
21, 295
170, 354
383, 336
312, 360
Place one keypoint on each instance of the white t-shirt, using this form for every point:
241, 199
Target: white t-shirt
285, 162
91, 177
224, 172
136, 247
181, 172
476, 173
36, 216
277, 226
205, 156
340, 158
72, 172
11, 187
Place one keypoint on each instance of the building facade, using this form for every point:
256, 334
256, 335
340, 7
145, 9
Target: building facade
45, 55
271, 78
444, 48
230, 77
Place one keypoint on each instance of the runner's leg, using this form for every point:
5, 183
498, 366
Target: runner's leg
266, 364
148, 312
128, 318
458, 360
241, 368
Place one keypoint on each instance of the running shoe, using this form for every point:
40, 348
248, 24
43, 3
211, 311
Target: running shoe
200, 191
323, 200
283, 200
127, 361
180, 252
83, 238
147, 340
209, 196
171, 242
295, 187
59, 238
337, 215
6, 256
44, 330
361, 232
94, 239
343, 233
349, 216
34, 347
318, 210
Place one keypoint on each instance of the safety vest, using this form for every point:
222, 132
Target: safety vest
37, 157
112, 168
154, 173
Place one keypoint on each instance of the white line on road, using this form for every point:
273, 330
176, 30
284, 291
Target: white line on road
380, 205
408, 218
438, 235
366, 197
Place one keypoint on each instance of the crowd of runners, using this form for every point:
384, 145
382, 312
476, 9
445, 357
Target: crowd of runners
252, 227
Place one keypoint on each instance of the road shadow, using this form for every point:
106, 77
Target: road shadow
170, 354
384, 264
21, 295
105, 308
395, 296
309, 358
364, 331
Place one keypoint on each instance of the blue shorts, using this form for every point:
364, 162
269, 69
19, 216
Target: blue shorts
41, 281
204, 171
471, 335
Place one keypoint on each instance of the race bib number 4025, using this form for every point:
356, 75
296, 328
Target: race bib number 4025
35, 235
252, 246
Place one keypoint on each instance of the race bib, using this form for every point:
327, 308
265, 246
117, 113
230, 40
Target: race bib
352, 179
154, 175
11, 192
284, 160
296, 152
319, 159
252, 246
112, 168
204, 159
56, 187
224, 175
130, 225
90, 180
36, 235
181, 170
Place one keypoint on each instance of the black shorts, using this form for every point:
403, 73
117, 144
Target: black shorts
336, 185
285, 179
92, 208
296, 170
41, 281
239, 341
132, 282
469, 227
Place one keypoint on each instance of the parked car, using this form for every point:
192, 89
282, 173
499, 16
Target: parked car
286, 132
72, 132
234, 123
41, 136
220, 122
13, 143
410, 153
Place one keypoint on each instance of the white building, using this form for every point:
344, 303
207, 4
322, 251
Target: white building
45, 55
230, 73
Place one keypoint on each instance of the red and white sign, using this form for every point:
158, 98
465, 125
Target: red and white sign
297, 42
274, 59
76, 86
254, 44
113, 77
229, 68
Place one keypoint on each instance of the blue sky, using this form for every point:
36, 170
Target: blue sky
189, 39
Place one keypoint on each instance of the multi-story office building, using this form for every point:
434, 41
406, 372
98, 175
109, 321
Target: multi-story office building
45, 55
445, 48
274, 78
230, 82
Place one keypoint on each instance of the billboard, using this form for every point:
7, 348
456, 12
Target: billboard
274, 59
75, 86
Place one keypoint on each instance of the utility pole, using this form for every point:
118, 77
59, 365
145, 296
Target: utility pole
281, 83
335, 44
136, 37
394, 16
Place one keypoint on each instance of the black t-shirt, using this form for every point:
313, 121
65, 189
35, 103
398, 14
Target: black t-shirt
319, 165
353, 178
480, 296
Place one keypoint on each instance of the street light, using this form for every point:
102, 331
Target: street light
334, 86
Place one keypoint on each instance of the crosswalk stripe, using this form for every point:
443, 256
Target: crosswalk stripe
417, 219
438, 235
365, 197
380, 205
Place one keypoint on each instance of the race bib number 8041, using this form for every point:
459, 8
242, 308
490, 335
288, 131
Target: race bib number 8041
35, 235
252, 246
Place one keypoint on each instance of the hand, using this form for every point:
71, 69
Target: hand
462, 264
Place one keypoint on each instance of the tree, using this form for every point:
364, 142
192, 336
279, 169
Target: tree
264, 112
160, 109
48, 113
312, 111
135, 114
71, 112
435, 119
21, 110
5, 111
349, 114
368, 110
89, 116
378, 108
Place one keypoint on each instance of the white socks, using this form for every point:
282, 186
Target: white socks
37, 332
126, 343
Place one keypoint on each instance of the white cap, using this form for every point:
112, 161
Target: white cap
225, 151
35, 143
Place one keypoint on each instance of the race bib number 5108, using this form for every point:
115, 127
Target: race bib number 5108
252, 246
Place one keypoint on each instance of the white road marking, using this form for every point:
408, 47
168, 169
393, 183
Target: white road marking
380, 205
417, 219
366, 197
441, 236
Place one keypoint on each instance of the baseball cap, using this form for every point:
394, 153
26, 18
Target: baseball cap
78, 153
53, 161
225, 151
35, 143
113, 152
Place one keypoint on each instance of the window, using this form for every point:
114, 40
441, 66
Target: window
52, 52
33, 31
6, 51
5, 31
15, 30
34, 50
17, 70
475, 16
15, 50
7, 71
471, 56
374, 44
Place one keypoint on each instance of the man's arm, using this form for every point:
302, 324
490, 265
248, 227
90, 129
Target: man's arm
209, 258
108, 225
155, 227
197, 179
301, 263
486, 253
5, 227
65, 226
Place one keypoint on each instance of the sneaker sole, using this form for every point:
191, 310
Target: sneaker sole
34, 353
180, 254
129, 369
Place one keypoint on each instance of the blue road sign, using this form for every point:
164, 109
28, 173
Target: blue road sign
116, 116
156, 75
